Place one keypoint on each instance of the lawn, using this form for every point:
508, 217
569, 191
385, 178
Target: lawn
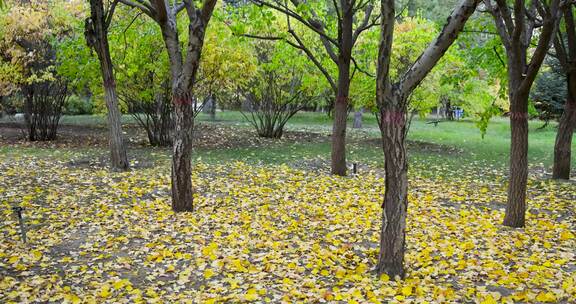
270, 225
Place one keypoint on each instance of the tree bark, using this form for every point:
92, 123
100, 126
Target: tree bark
516, 29
339, 136
182, 194
97, 38
183, 78
343, 89
563, 145
118, 157
518, 176
395, 206
392, 99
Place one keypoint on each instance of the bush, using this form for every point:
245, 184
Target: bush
152, 111
79, 105
43, 105
272, 103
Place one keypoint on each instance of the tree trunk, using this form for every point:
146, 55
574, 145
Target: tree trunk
182, 199
213, 107
97, 38
563, 145
339, 136
118, 157
183, 78
358, 119
518, 177
343, 89
392, 235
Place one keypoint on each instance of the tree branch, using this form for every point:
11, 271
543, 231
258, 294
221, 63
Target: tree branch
383, 85
285, 10
207, 10
314, 60
161, 11
110, 14
551, 22
146, 9
364, 25
438, 47
500, 24
357, 67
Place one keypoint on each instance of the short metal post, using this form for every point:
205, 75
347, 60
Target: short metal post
18, 211
355, 168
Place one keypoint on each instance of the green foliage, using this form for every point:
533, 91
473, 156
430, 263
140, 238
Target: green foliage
78, 105
29, 33
476, 80
549, 92
228, 61
411, 37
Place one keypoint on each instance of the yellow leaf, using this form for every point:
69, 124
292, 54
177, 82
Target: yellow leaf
566, 235
546, 297
72, 298
37, 254
251, 295
384, 277
407, 291
105, 291
489, 300
151, 293
208, 273
120, 284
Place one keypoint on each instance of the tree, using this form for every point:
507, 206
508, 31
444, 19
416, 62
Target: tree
279, 90
148, 99
227, 63
338, 25
565, 51
516, 29
183, 72
96, 33
29, 34
143, 74
392, 98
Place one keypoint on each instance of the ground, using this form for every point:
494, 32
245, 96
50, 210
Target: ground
270, 225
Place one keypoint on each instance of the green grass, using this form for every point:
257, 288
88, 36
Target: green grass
363, 145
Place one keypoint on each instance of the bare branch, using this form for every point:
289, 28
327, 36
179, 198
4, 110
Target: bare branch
190, 9
314, 60
570, 33
357, 67
500, 24
520, 24
110, 14
316, 27
161, 11
498, 55
364, 25
146, 9
551, 22
561, 53
504, 11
